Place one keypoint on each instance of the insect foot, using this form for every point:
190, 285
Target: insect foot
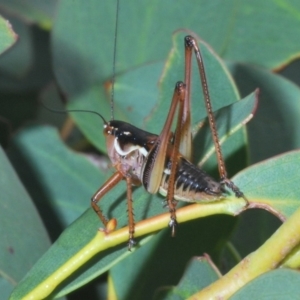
173, 224
131, 244
238, 193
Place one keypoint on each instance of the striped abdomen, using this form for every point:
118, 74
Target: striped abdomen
192, 184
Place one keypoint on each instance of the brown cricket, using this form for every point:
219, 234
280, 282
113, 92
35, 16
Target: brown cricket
161, 162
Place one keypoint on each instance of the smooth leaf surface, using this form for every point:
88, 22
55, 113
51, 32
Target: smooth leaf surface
144, 38
253, 38
267, 182
20, 229
279, 284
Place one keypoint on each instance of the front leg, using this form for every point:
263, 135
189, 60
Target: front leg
106, 187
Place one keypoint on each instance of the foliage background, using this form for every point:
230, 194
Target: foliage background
71, 43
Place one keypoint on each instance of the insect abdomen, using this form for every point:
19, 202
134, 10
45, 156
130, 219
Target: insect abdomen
192, 184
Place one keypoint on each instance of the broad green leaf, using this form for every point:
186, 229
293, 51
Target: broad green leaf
228, 27
7, 36
23, 237
251, 39
274, 183
279, 284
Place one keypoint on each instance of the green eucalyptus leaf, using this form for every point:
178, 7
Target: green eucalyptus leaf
23, 236
279, 284
266, 183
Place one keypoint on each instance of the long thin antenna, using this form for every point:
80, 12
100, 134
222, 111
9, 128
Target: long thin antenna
114, 62
74, 110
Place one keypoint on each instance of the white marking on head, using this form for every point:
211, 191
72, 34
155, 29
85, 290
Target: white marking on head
130, 149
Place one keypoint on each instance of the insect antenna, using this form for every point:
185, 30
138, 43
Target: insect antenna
74, 110
114, 63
